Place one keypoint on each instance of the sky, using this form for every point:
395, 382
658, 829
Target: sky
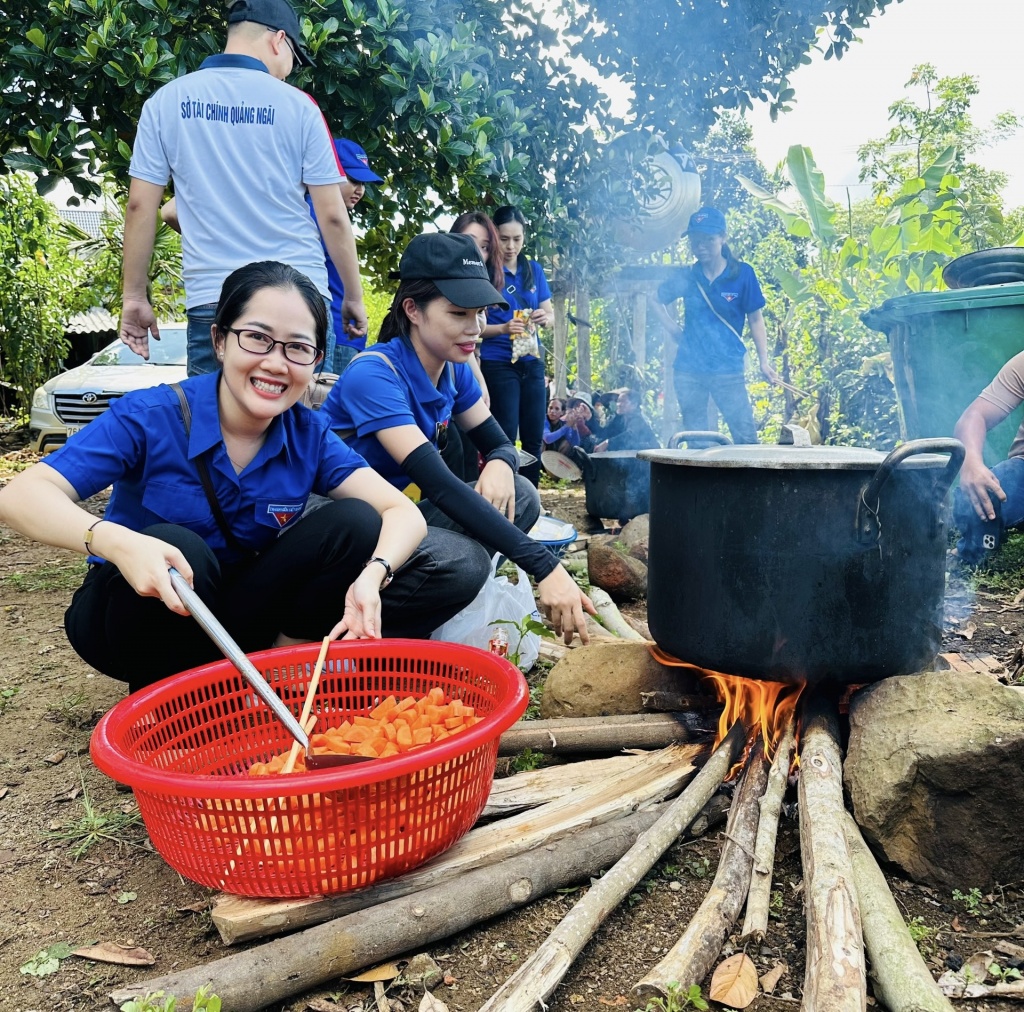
841, 104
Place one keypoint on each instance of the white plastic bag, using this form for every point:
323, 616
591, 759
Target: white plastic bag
498, 599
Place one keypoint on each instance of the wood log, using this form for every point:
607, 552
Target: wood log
275, 971
902, 980
658, 775
755, 921
610, 615
662, 701
713, 814
538, 977
604, 734
690, 959
834, 978
538, 787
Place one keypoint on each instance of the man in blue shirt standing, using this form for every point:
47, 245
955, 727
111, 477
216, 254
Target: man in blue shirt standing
243, 149
358, 173
720, 295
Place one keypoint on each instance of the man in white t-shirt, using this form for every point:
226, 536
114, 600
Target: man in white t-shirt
989, 502
243, 148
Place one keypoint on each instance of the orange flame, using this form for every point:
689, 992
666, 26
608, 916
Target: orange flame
764, 705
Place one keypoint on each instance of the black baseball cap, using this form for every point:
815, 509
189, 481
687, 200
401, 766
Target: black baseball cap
452, 260
277, 15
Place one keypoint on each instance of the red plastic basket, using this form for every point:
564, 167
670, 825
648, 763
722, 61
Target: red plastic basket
184, 745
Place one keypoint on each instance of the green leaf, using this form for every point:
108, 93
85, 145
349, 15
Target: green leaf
37, 38
810, 184
425, 97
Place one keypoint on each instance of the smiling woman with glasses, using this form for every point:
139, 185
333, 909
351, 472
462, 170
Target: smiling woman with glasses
396, 403
212, 477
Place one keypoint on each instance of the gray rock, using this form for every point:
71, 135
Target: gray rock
935, 770
606, 679
635, 536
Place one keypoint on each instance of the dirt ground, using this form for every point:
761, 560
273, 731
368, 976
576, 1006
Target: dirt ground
76, 867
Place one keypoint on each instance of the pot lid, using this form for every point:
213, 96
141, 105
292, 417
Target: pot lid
905, 307
999, 266
809, 458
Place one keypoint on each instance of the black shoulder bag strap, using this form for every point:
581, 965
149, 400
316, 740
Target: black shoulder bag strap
204, 476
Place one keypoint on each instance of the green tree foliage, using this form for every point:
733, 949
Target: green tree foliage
38, 285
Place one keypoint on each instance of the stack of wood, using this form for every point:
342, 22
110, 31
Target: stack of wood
556, 827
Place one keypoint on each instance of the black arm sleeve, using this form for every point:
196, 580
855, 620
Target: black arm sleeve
476, 516
490, 439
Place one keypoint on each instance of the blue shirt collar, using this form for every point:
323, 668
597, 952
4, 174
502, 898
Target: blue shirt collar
236, 61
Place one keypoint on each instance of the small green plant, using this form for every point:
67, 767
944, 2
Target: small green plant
156, 1001
70, 710
1004, 974
775, 903
95, 826
527, 760
922, 935
677, 999
7, 695
971, 900
697, 867
526, 625
533, 709
46, 961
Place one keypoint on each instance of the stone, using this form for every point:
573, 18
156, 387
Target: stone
635, 536
624, 578
606, 679
934, 771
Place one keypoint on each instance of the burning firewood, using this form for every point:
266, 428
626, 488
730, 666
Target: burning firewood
690, 959
902, 981
755, 923
834, 979
538, 977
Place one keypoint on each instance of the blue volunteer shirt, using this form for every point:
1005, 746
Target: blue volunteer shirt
499, 347
139, 446
337, 287
708, 345
371, 396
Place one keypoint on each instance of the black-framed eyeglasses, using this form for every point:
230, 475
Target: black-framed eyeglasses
257, 343
441, 436
295, 56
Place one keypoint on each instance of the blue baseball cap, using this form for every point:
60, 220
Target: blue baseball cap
708, 220
354, 161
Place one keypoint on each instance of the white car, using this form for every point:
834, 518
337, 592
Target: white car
64, 404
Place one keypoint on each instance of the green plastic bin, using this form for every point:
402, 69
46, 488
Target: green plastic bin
946, 348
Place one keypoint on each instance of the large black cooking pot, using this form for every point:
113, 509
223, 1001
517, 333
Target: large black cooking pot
618, 483
800, 563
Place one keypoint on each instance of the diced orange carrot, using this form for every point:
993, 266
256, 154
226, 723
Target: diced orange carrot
436, 695
384, 707
390, 732
366, 722
407, 703
422, 735
453, 722
404, 738
366, 749
389, 750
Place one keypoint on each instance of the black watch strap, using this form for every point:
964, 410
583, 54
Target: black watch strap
388, 574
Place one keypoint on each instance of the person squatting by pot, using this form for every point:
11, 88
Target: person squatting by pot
720, 296
627, 429
238, 535
990, 501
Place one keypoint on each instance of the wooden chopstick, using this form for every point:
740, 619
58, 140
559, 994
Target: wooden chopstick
307, 706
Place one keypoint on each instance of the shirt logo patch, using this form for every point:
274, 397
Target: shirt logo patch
729, 296
284, 512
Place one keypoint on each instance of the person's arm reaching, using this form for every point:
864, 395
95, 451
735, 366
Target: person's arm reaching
137, 317
977, 482
666, 320
336, 229
759, 335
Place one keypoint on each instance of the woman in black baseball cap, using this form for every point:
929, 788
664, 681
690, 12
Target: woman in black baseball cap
395, 402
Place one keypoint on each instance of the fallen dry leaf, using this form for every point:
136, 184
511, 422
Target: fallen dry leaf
3, 792
968, 630
734, 981
978, 963
386, 971
431, 1004
111, 952
69, 795
773, 976
955, 923
619, 999
56, 757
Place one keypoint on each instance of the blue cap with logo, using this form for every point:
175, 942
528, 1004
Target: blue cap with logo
708, 220
354, 161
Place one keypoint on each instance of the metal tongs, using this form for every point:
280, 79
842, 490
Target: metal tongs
233, 652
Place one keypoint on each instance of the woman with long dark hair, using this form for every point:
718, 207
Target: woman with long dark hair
396, 403
237, 533
510, 357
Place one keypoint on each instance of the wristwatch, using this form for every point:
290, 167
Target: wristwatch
388, 574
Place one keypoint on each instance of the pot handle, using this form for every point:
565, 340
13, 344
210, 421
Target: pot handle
867, 506
706, 436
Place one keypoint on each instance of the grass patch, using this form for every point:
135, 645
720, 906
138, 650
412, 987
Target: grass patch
64, 576
1005, 573
95, 826
71, 710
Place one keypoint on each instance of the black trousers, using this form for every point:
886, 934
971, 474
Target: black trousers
296, 587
